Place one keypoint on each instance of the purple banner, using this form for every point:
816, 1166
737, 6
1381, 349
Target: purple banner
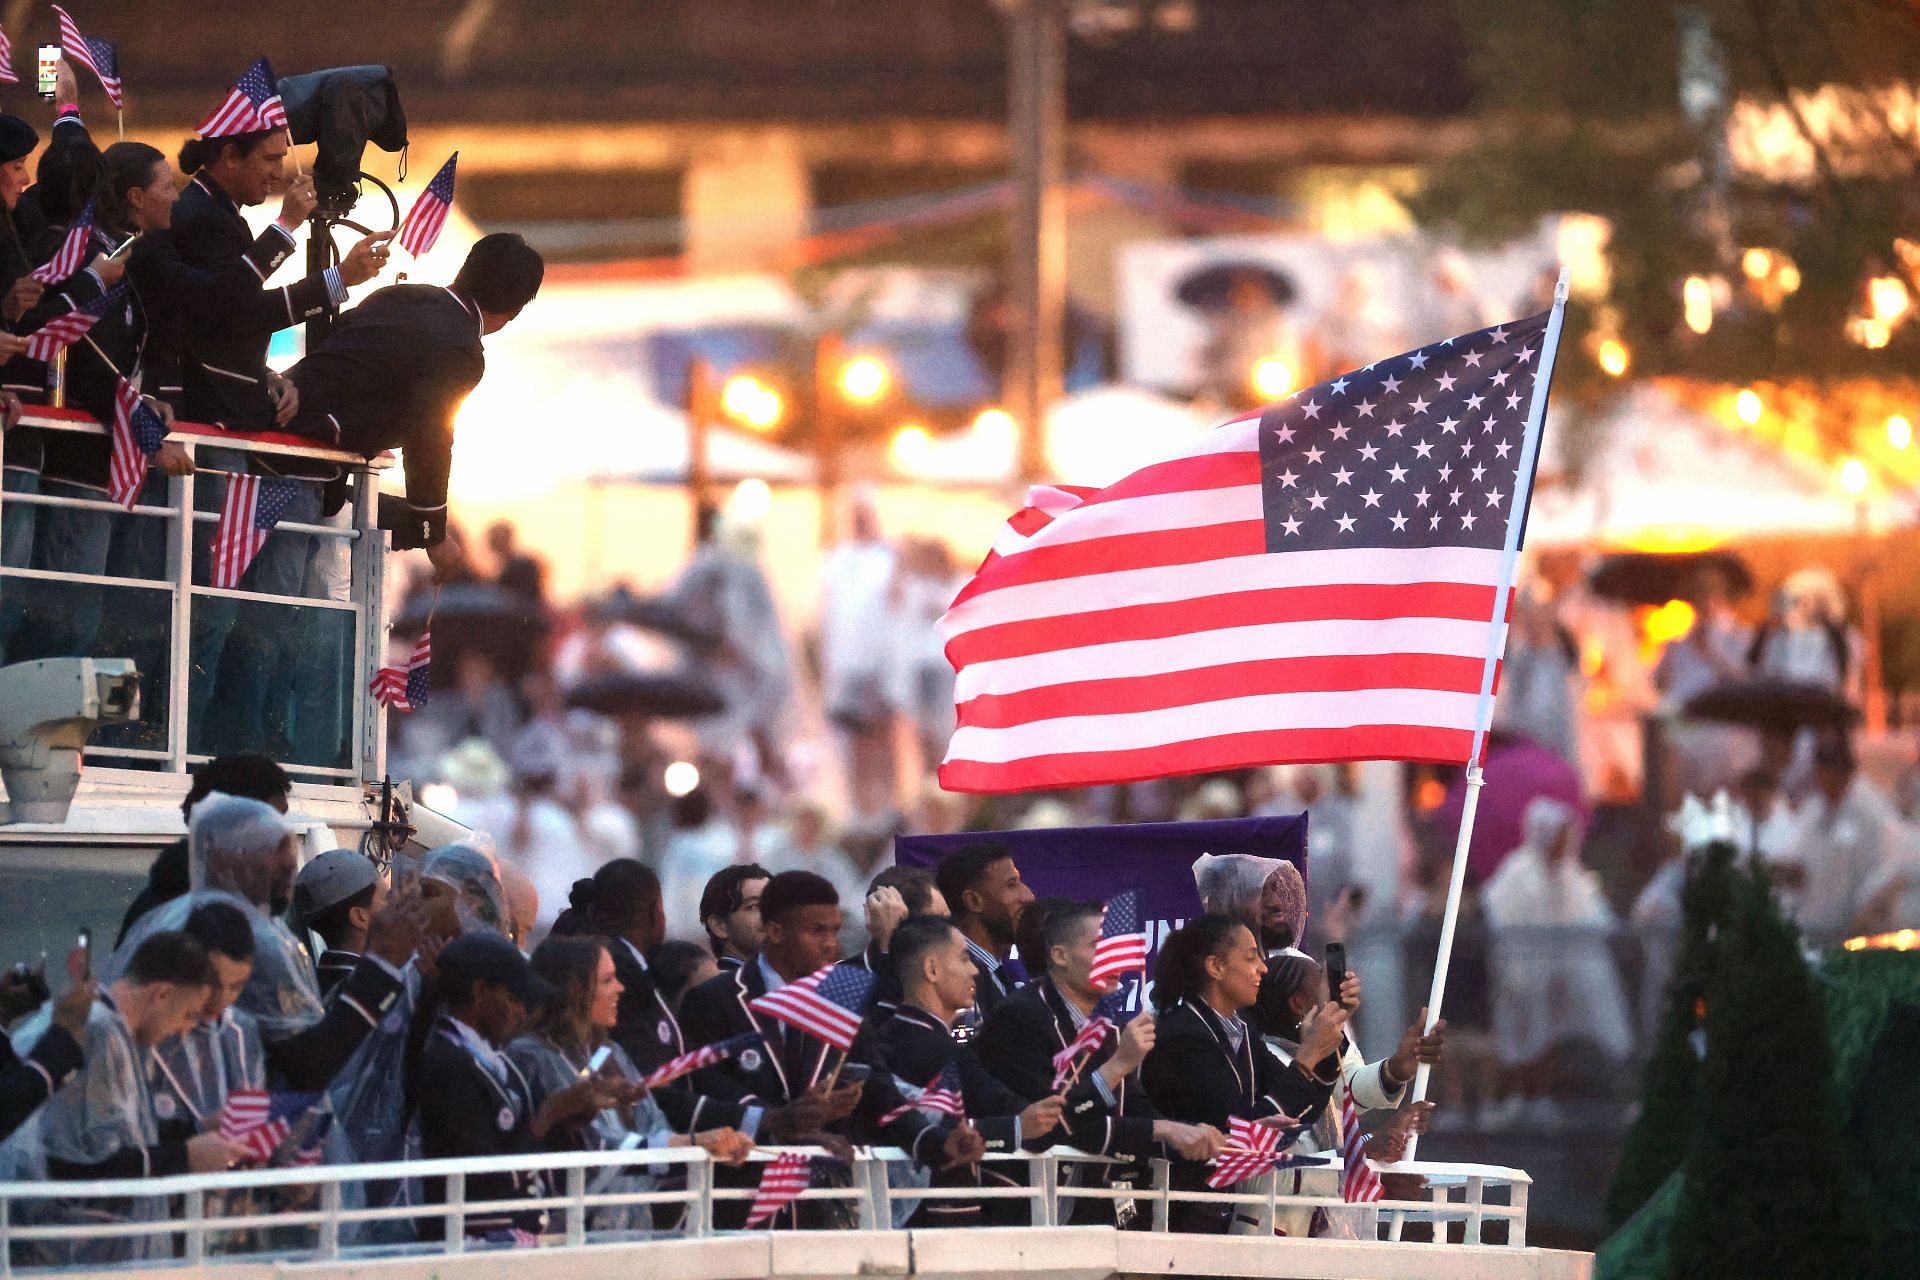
1154, 857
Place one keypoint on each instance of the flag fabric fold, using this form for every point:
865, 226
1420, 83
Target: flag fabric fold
1358, 1182
259, 1121
253, 104
97, 56
7, 74
72, 253
942, 1096
705, 1056
1122, 948
138, 432
827, 1005
405, 688
61, 332
1313, 582
786, 1176
1252, 1149
252, 507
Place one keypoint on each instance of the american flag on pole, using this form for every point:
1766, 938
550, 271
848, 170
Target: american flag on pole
1358, 1182
72, 254
61, 332
429, 212
786, 1176
253, 505
138, 432
1252, 1149
942, 1096
827, 1005
1122, 948
405, 689
1089, 1039
1318, 581
705, 1056
259, 1121
7, 75
252, 104
97, 56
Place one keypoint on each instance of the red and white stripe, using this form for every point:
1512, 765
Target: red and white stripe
248, 1122
236, 540
70, 256
7, 75
1358, 1182
1089, 1040
787, 1175
59, 333
1252, 1149
127, 466
1144, 630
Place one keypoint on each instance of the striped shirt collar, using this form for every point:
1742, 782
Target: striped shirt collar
988, 962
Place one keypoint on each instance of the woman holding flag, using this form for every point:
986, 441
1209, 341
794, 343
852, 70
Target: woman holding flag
560, 1047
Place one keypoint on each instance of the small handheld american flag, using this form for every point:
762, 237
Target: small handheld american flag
1358, 1182
405, 688
138, 433
1122, 948
6, 61
787, 1176
705, 1056
827, 1005
1253, 1148
259, 1121
71, 255
1091, 1037
942, 1096
253, 506
97, 56
61, 332
429, 212
252, 104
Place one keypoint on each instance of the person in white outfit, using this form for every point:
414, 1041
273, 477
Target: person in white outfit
1554, 977
858, 612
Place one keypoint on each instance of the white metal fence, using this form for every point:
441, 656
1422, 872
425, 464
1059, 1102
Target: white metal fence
316, 1215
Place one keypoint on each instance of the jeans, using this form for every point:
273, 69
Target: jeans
235, 702
62, 619
16, 552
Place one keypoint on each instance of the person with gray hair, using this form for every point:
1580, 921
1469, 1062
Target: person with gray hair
244, 853
1267, 895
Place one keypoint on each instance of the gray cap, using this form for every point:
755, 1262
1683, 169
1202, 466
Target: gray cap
331, 879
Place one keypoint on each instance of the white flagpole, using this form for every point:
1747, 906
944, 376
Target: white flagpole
1496, 643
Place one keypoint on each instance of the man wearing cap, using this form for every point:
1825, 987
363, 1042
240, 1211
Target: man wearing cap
335, 896
472, 1100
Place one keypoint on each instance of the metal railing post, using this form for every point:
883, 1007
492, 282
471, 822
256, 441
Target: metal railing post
1044, 1172
180, 578
196, 1207
6, 1236
456, 1218
1162, 1194
1517, 1224
369, 568
881, 1182
1269, 1210
700, 1208
576, 1208
866, 1209
329, 1242
1476, 1198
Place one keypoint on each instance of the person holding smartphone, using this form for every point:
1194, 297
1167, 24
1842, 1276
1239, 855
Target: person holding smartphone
28, 1080
566, 1047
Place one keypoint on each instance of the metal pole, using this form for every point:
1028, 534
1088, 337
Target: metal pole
1037, 121
828, 355
700, 405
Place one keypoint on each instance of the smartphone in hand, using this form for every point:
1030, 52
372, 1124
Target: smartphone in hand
1336, 970
49, 71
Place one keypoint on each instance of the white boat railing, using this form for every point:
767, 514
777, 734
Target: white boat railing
186, 1220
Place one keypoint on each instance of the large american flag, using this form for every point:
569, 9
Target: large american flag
786, 1176
1314, 582
259, 1121
138, 432
429, 212
252, 104
61, 332
827, 1005
942, 1096
405, 688
1358, 1182
1122, 948
253, 505
704, 1056
98, 56
72, 254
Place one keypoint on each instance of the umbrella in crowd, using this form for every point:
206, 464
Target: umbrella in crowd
477, 603
1517, 769
1781, 705
667, 695
1212, 287
651, 613
1646, 577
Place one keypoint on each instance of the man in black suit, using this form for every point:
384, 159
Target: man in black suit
1019, 1041
796, 1072
225, 381
394, 371
983, 888
893, 897
937, 980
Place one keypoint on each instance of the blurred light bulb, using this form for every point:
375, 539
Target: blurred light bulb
1272, 379
751, 501
680, 778
1788, 277
1747, 406
865, 379
751, 402
1899, 431
1853, 476
439, 797
1613, 357
1757, 263
1887, 298
911, 448
1696, 298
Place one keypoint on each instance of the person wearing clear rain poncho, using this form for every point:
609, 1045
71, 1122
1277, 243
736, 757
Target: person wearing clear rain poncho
1267, 895
557, 1052
243, 853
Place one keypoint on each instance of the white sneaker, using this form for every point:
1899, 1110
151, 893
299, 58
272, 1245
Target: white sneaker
1508, 1113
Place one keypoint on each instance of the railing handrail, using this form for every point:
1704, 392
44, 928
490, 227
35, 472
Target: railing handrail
52, 418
